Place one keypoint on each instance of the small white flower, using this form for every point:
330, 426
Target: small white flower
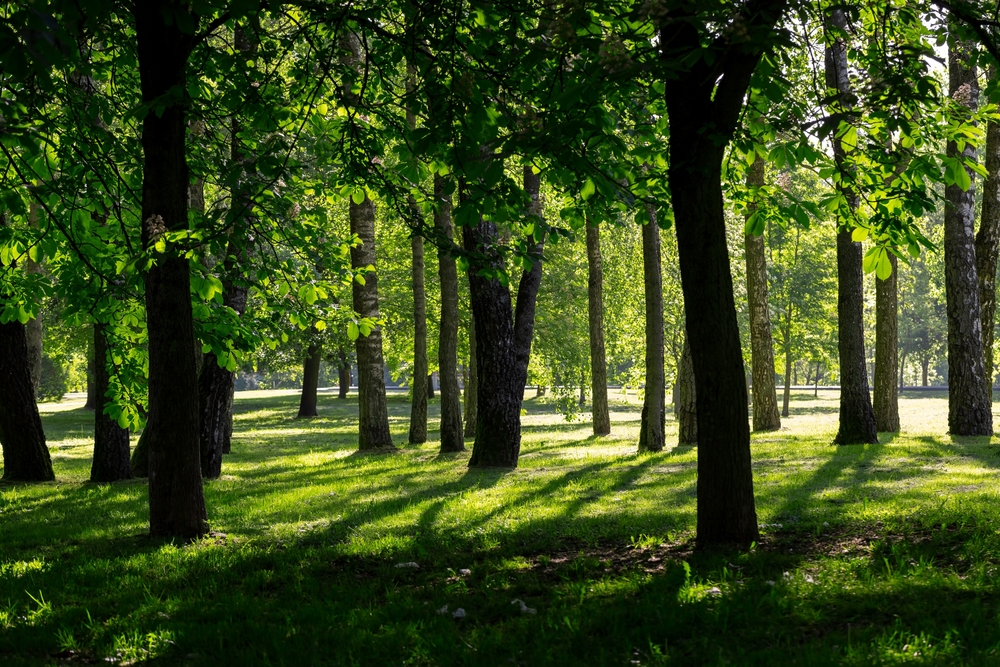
458, 613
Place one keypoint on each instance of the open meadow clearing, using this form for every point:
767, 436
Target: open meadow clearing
871, 554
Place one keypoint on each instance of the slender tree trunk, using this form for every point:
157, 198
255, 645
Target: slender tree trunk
924, 367
344, 373
373, 416
25, 455
765, 397
988, 246
595, 312
420, 387
452, 436
430, 385
886, 401
310, 381
91, 403
787, 345
111, 441
176, 499
902, 369
472, 383
857, 417
687, 409
969, 405
651, 433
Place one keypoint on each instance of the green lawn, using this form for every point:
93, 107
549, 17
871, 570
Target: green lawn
884, 554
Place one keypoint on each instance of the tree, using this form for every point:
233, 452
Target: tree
686, 408
886, 399
988, 245
651, 433
25, 455
310, 380
111, 441
595, 310
452, 436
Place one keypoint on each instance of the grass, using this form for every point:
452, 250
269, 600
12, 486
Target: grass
871, 555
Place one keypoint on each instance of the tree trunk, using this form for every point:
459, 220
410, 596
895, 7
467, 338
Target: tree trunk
176, 499
902, 369
91, 403
310, 381
452, 436
857, 417
651, 428
373, 414
924, 367
988, 246
344, 373
111, 441
472, 384
33, 329
430, 385
420, 388
595, 312
25, 455
886, 401
765, 397
687, 407
969, 406
140, 456
787, 344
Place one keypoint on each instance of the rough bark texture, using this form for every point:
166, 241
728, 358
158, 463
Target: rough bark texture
595, 312
25, 455
969, 407
988, 247
111, 441
452, 436
702, 117
373, 414
472, 384
652, 424
420, 389
886, 399
687, 399
310, 381
344, 374
176, 499
857, 417
765, 396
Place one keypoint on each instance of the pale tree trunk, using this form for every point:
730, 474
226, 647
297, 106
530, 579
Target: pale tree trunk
595, 311
988, 246
857, 417
452, 436
969, 406
765, 397
651, 433
687, 408
111, 441
886, 400
373, 415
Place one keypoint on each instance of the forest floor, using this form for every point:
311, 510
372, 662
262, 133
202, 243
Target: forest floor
883, 554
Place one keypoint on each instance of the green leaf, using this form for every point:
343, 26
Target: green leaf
588, 189
358, 196
352, 330
859, 234
884, 268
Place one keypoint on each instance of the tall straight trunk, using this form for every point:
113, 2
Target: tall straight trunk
988, 246
452, 436
886, 399
595, 312
765, 397
430, 385
902, 368
687, 399
420, 386
857, 417
310, 381
503, 339
472, 383
91, 403
787, 345
344, 373
111, 441
651, 429
25, 455
969, 406
373, 413
924, 368
176, 498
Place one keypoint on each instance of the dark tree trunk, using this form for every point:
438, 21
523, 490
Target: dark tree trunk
176, 499
652, 424
886, 400
430, 385
857, 417
969, 406
91, 403
420, 388
924, 367
472, 383
452, 437
988, 247
687, 400
310, 381
373, 413
765, 397
25, 455
140, 456
595, 312
344, 373
216, 386
111, 441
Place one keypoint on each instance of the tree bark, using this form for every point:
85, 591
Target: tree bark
886, 400
373, 413
176, 499
787, 345
472, 385
687, 399
857, 417
111, 441
344, 373
310, 381
25, 455
988, 247
452, 436
91, 403
652, 424
765, 397
969, 406
420, 388
595, 312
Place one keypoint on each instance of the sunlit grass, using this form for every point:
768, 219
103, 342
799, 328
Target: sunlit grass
878, 554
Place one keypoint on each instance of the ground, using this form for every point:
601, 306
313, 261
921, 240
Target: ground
880, 554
